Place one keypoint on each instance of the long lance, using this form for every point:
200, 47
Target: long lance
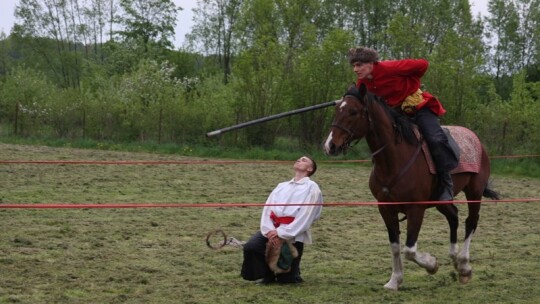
272, 117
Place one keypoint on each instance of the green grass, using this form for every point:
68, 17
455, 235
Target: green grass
159, 255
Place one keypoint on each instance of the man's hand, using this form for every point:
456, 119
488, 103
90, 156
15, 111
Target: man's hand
271, 234
274, 238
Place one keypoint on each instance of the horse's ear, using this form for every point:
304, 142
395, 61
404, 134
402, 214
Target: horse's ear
357, 92
353, 91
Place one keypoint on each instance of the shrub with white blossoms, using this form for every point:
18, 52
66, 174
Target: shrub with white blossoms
149, 83
189, 83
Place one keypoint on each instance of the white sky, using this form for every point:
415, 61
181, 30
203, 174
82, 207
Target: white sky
185, 17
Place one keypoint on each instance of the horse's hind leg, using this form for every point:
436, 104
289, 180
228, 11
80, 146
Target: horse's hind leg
474, 189
462, 261
415, 216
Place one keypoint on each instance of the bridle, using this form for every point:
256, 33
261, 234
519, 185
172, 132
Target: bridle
347, 144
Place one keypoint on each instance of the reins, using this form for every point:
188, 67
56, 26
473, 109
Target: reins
386, 189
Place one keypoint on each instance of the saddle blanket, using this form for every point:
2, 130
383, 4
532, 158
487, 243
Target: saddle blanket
470, 150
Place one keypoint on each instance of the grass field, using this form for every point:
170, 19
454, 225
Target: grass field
159, 255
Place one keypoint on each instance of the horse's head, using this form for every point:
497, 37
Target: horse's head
351, 122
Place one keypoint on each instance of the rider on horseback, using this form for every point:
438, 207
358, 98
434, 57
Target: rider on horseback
398, 82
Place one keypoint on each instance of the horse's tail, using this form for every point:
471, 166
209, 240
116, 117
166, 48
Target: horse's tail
490, 193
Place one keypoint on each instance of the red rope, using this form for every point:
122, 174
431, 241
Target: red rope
197, 162
230, 205
99, 162
515, 156
187, 162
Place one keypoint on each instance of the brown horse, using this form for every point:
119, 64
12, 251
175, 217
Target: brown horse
402, 174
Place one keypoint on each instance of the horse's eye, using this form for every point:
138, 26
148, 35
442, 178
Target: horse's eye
353, 112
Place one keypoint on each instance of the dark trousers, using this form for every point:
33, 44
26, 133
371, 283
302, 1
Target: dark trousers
445, 159
254, 266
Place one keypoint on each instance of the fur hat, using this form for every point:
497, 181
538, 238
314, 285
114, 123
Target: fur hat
363, 55
279, 258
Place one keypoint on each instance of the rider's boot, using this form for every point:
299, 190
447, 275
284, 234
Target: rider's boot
446, 186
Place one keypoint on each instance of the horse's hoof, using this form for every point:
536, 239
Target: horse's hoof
391, 286
465, 278
434, 269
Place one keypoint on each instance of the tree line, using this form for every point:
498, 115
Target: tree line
107, 70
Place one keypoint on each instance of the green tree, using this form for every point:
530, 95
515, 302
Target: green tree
145, 95
523, 120
514, 127
405, 37
147, 24
259, 71
48, 26
503, 25
5, 45
369, 21
57, 35
25, 101
456, 64
215, 31
528, 32
321, 75
97, 16
298, 32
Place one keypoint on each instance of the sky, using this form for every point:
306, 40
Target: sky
185, 17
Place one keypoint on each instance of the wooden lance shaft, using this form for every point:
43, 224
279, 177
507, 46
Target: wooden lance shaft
272, 117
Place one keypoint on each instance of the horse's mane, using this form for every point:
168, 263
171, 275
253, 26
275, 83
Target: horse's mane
403, 125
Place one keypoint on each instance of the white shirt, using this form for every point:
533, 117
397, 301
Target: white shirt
304, 191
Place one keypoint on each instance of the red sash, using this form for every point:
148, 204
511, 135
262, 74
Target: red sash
278, 220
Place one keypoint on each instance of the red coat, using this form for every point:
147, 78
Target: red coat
394, 80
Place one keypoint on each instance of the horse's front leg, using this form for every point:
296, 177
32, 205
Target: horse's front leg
415, 216
391, 221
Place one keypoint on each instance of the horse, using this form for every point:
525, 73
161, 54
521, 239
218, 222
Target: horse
400, 176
